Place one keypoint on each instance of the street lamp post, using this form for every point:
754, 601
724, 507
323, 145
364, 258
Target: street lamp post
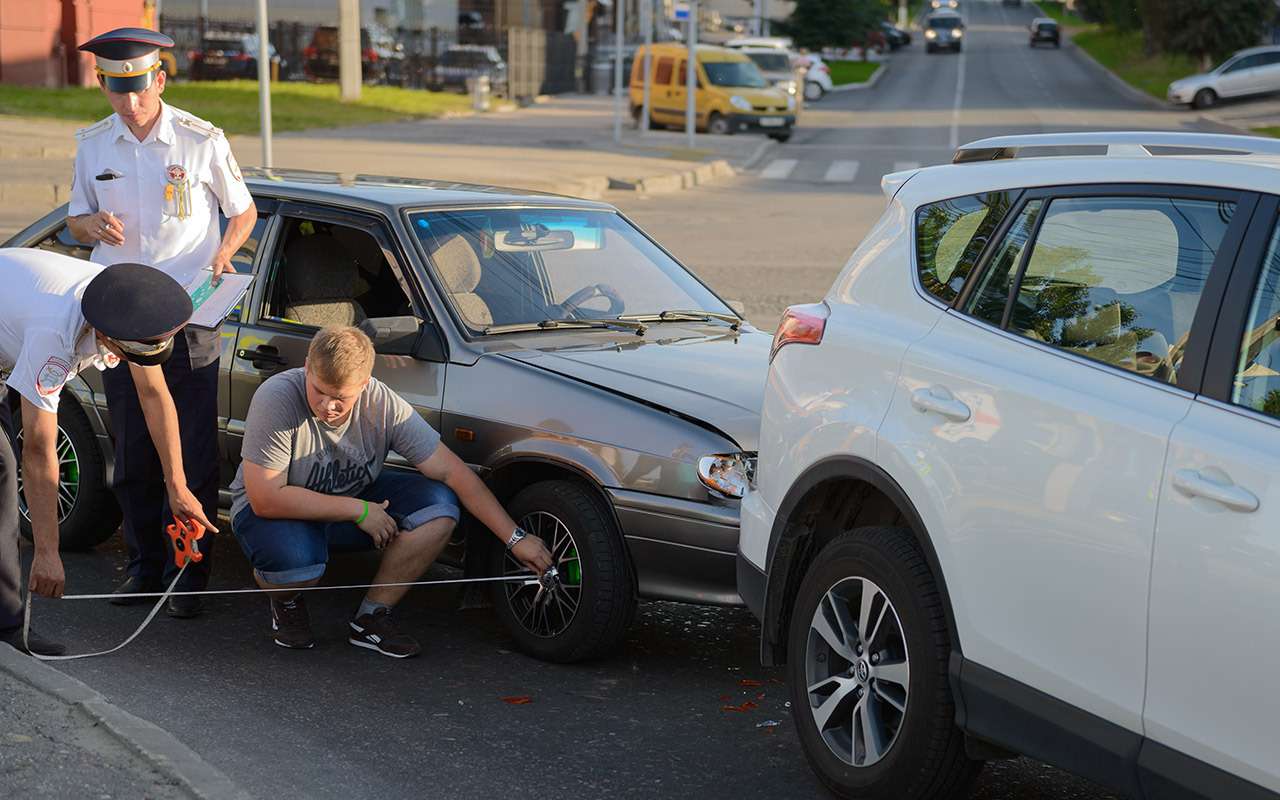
619, 17
646, 11
264, 84
691, 77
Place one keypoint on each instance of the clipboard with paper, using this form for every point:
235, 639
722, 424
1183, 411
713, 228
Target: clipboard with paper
211, 304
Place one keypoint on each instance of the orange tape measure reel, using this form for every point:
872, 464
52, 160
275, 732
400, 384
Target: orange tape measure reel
185, 537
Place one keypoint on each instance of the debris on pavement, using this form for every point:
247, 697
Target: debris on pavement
518, 700
768, 723
742, 708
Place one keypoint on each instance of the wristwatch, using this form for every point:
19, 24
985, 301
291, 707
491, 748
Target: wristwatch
516, 537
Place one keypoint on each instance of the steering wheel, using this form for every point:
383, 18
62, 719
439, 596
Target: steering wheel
616, 304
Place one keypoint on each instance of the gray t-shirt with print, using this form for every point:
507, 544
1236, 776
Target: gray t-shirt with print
282, 433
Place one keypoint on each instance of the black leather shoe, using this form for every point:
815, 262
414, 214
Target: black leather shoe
185, 607
133, 585
39, 644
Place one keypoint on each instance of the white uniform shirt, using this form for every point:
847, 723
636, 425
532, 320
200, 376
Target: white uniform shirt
44, 339
182, 152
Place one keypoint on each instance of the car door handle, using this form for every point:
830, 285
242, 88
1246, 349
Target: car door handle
263, 356
939, 400
1217, 487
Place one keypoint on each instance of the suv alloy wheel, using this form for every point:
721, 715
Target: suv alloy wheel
867, 661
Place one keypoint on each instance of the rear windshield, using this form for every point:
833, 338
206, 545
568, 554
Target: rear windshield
734, 73
946, 22
1046, 26
772, 62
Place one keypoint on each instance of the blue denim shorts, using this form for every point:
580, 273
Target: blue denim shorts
293, 551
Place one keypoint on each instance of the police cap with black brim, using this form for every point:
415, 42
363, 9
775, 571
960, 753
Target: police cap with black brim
127, 58
140, 308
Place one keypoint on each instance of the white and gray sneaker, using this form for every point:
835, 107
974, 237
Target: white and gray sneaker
377, 632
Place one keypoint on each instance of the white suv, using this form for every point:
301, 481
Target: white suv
1018, 487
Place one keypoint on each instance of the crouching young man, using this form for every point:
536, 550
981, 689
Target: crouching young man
312, 481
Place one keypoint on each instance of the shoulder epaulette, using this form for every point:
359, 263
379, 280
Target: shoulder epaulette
198, 125
94, 129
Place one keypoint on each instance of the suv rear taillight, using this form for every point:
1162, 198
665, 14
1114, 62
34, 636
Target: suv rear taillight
801, 325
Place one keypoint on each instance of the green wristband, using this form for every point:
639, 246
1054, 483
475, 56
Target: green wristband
364, 513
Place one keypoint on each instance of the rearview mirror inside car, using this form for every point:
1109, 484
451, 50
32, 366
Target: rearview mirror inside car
535, 239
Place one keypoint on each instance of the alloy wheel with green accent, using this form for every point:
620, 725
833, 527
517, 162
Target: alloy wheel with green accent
68, 477
540, 611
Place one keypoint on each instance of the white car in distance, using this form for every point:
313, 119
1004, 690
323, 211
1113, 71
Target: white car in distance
1018, 486
1249, 72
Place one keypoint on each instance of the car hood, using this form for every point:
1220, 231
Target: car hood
715, 378
1192, 80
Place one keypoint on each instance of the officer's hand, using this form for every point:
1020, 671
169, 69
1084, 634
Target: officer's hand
47, 577
105, 227
533, 553
379, 524
186, 507
221, 265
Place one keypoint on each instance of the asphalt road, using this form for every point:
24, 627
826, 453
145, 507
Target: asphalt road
342, 722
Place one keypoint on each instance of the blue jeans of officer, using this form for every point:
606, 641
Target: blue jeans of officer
10, 563
139, 479
286, 551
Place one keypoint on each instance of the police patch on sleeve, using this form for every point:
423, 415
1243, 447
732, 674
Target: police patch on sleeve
52, 376
233, 166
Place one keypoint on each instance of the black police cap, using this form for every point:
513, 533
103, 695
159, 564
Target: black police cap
125, 43
135, 303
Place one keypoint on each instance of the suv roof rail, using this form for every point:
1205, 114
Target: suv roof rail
1115, 143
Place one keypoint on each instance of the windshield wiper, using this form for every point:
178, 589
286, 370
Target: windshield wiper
735, 322
553, 324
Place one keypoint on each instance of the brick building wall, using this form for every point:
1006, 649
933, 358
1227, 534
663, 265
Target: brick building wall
38, 38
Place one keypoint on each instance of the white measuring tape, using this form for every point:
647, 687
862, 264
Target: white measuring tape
551, 574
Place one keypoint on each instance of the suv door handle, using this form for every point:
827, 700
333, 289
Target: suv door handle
263, 356
939, 400
1216, 486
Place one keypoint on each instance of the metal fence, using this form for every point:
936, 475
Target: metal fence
538, 61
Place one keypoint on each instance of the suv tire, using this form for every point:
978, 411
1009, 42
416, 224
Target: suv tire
922, 753
594, 569
92, 515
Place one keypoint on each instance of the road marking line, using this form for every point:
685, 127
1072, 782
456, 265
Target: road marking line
955, 110
841, 171
903, 166
779, 169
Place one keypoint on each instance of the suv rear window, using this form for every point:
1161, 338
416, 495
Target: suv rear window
950, 236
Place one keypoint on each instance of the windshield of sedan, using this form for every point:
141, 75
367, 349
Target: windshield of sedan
503, 267
773, 62
734, 73
945, 22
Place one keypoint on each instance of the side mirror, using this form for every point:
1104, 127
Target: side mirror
404, 336
739, 307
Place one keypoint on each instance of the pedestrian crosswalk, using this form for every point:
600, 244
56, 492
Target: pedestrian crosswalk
825, 170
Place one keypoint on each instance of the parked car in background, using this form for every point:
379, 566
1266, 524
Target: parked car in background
943, 30
817, 76
894, 36
1249, 72
778, 68
381, 58
1044, 29
228, 56
463, 61
733, 95
608, 397
1062, 482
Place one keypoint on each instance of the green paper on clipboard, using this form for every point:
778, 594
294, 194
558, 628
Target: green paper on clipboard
211, 304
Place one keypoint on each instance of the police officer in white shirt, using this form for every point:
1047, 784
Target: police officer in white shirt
60, 315
148, 183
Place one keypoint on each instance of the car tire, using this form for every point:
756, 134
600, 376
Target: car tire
921, 751
595, 572
813, 91
1205, 98
719, 125
781, 138
91, 515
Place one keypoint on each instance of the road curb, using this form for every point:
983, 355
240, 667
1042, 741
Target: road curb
677, 181
869, 84
1133, 93
149, 741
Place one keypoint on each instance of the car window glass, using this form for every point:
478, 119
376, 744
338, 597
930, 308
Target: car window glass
991, 295
1118, 279
326, 273
1248, 62
242, 261
950, 237
523, 266
1257, 380
662, 73
61, 241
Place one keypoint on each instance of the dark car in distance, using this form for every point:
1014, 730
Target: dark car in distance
1044, 29
381, 59
463, 61
227, 57
943, 30
894, 36
608, 397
